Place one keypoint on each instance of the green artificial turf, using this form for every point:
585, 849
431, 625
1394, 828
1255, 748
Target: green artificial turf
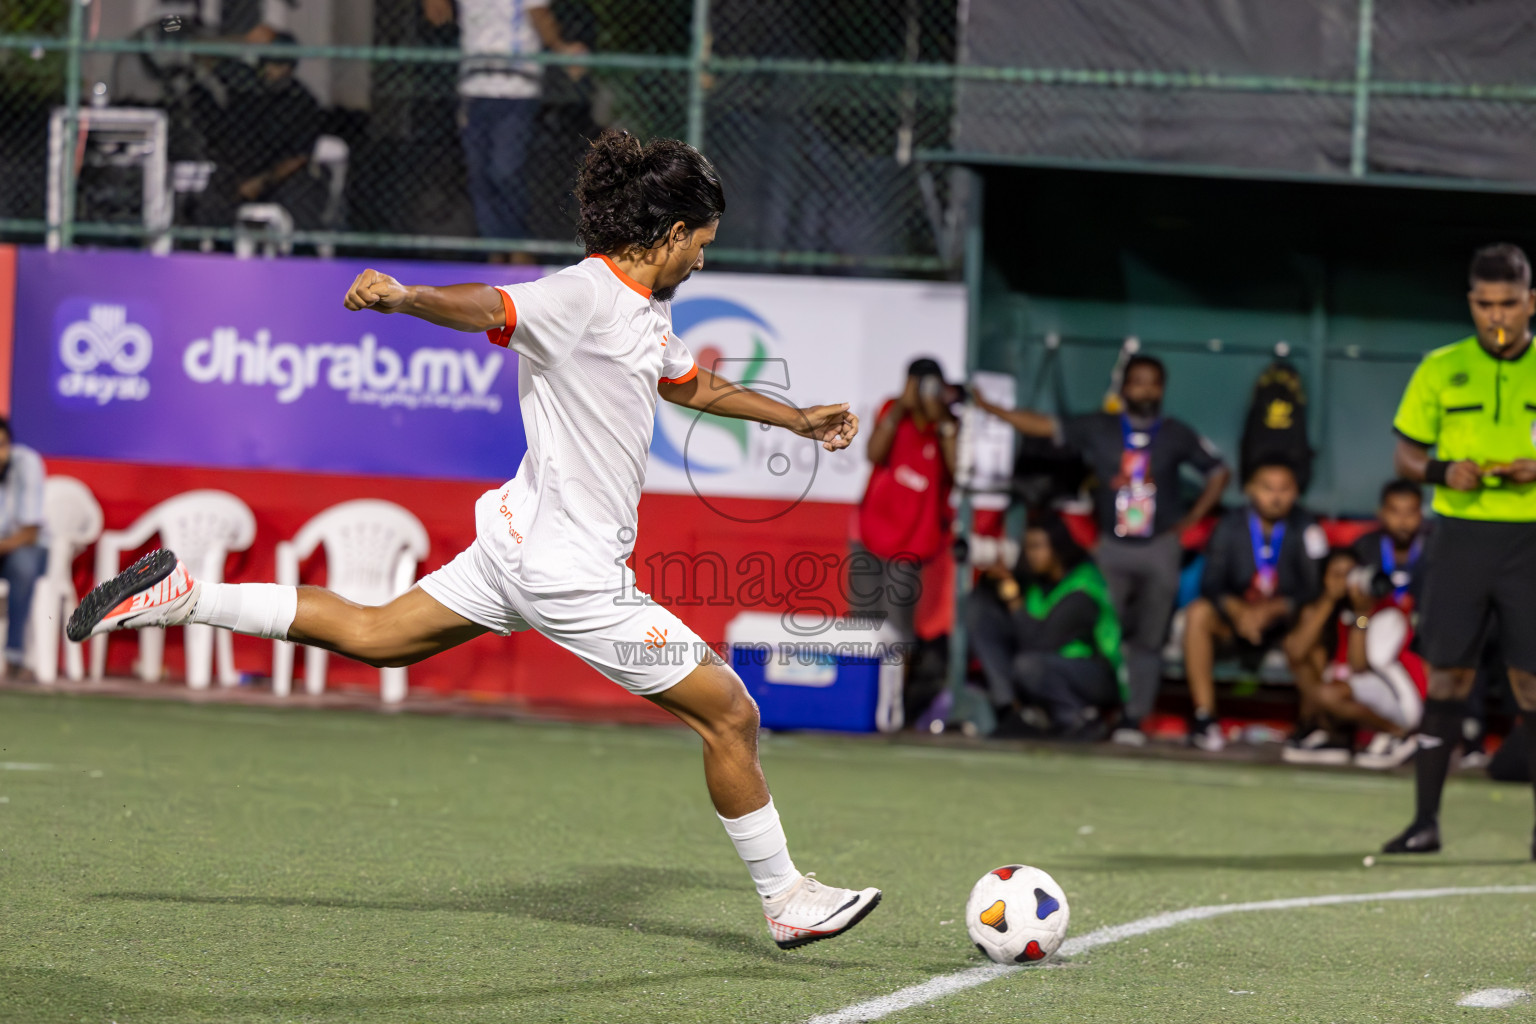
170, 862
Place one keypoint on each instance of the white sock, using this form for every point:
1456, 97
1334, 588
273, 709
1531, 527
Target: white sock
760, 842
255, 609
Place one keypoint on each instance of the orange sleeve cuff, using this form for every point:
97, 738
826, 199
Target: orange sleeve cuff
503, 335
693, 371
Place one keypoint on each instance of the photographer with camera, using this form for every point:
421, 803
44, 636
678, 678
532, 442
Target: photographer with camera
903, 521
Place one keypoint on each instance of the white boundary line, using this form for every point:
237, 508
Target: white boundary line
948, 984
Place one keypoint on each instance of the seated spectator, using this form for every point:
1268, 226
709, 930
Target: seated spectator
1397, 547
1260, 571
903, 518
23, 555
1349, 652
1394, 554
263, 140
1047, 636
1378, 682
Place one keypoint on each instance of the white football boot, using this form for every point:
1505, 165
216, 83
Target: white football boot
154, 591
811, 911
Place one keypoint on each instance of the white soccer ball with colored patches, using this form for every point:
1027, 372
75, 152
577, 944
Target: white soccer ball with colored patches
1017, 915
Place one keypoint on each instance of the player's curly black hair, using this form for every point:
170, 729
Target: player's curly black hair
631, 194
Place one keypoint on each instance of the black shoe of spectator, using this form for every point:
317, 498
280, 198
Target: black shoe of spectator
1090, 727
1012, 726
1416, 838
1205, 734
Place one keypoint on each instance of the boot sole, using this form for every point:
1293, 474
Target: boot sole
807, 940
138, 577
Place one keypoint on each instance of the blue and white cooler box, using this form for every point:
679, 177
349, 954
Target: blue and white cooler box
846, 678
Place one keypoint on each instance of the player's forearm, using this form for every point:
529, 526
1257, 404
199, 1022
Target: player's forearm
1215, 486
22, 537
1310, 624
1025, 421
1411, 461
547, 27
714, 394
460, 307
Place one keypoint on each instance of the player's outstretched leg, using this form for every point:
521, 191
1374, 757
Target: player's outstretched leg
157, 590
800, 909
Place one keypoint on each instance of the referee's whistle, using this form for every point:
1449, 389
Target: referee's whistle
1501, 337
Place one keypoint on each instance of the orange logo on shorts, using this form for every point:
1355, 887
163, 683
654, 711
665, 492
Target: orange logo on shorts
655, 639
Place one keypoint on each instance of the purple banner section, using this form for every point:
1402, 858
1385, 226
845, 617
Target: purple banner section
212, 361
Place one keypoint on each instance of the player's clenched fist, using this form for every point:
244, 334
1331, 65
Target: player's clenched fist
373, 290
833, 425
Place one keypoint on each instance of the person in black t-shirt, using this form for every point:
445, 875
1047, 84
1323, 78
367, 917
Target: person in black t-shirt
1397, 547
1137, 458
1261, 567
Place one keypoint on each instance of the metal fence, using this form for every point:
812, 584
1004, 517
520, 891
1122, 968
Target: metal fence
357, 124
382, 127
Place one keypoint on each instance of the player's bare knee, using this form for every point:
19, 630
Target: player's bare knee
742, 719
374, 640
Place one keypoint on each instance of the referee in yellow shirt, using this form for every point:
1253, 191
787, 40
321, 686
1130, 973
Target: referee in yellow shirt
1474, 403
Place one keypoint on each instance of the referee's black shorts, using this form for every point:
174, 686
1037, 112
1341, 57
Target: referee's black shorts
1479, 573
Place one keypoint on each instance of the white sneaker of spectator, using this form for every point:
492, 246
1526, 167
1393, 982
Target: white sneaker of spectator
1473, 760
1316, 747
1128, 736
1206, 735
1386, 751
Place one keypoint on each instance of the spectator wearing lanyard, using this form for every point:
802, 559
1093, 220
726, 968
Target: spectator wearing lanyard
904, 518
1137, 458
1396, 548
1474, 402
23, 550
1261, 568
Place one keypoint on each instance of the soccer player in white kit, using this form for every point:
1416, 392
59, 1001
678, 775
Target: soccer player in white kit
596, 350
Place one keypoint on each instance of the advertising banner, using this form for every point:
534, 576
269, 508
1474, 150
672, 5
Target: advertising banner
806, 341
197, 360
212, 361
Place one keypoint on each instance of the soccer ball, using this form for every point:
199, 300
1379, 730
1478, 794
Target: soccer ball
1017, 915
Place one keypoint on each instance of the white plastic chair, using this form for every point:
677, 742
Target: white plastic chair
73, 519
202, 527
371, 552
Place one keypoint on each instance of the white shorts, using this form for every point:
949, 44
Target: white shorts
623, 634
1390, 693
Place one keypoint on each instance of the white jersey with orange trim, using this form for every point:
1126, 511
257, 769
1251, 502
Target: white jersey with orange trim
593, 345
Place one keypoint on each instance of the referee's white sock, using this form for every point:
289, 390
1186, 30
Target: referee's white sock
760, 842
255, 609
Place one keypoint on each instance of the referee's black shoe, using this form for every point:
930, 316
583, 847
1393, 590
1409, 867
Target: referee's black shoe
1417, 838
